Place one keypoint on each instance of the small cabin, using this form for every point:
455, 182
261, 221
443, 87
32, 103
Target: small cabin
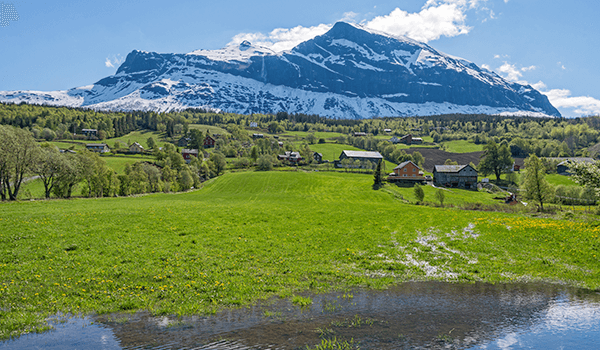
136, 148
208, 142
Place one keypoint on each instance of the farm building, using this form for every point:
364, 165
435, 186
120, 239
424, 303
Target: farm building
461, 176
359, 134
407, 172
136, 148
258, 136
290, 157
188, 153
407, 139
89, 132
98, 147
361, 156
318, 157
562, 168
209, 142
184, 141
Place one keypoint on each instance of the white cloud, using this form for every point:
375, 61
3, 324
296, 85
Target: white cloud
582, 105
525, 69
115, 61
437, 18
281, 39
510, 72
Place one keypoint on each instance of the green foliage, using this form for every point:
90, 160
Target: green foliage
378, 175
419, 193
535, 186
265, 163
440, 196
496, 159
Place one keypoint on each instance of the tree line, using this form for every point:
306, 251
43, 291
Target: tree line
61, 173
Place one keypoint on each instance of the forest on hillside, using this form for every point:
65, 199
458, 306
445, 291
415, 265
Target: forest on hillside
544, 137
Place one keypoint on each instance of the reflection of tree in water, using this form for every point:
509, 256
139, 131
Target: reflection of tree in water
420, 314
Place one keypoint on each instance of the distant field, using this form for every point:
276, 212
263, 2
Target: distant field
462, 146
252, 235
212, 129
318, 134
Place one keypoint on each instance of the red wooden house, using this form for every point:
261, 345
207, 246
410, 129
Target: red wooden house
209, 142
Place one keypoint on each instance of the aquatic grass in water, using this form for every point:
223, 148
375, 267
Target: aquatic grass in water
249, 236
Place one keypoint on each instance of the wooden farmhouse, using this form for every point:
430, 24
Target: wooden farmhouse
407, 172
136, 148
459, 176
290, 157
361, 156
98, 147
188, 154
209, 142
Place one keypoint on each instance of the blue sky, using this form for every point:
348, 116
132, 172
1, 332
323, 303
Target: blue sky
552, 45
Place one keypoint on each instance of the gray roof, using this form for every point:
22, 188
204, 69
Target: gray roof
564, 161
362, 154
190, 151
449, 168
96, 145
402, 165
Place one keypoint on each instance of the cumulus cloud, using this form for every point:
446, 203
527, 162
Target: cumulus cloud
281, 39
559, 98
510, 72
114, 61
436, 19
582, 105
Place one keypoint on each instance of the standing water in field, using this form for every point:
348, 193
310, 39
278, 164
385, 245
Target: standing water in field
410, 315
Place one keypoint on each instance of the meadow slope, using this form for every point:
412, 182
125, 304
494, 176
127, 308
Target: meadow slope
253, 235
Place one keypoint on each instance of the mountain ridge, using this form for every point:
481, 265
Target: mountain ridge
348, 72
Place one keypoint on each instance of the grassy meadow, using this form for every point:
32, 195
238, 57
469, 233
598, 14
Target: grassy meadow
254, 235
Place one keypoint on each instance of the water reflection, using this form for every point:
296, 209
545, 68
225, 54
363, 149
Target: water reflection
411, 315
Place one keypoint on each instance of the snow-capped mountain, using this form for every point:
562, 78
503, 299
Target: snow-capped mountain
349, 72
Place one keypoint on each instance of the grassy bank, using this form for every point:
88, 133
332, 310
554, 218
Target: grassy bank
247, 236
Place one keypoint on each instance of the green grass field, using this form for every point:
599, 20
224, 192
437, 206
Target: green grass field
462, 146
253, 235
211, 128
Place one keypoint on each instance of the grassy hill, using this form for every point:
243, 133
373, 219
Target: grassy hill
252, 235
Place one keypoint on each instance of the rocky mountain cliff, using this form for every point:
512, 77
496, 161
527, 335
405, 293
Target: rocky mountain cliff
349, 72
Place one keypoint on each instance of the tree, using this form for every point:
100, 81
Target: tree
496, 159
378, 175
586, 174
219, 163
419, 193
150, 142
48, 165
17, 152
440, 196
265, 163
418, 158
534, 184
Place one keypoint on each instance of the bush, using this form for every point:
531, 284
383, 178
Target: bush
265, 163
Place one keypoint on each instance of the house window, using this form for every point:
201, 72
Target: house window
414, 170
404, 169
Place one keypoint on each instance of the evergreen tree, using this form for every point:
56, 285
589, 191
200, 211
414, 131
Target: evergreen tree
378, 175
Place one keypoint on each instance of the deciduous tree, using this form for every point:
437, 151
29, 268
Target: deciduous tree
534, 184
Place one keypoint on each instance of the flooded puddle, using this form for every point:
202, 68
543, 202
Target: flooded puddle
411, 315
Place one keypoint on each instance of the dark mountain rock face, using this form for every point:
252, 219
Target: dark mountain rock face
348, 72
